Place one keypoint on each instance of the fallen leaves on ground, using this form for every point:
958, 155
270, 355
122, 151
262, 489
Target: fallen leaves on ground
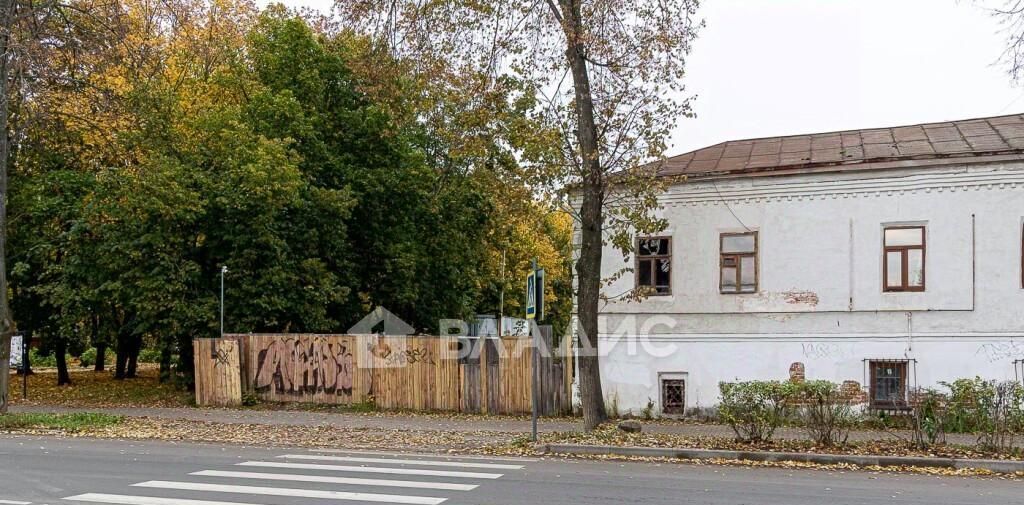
90, 389
610, 435
469, 442
143, 428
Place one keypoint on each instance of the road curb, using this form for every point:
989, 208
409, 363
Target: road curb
993, 465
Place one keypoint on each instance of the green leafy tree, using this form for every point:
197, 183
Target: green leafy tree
604, 77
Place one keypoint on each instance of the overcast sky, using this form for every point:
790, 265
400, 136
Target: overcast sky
781, 67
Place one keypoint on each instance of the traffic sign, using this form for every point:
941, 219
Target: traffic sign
16, 351
535, 295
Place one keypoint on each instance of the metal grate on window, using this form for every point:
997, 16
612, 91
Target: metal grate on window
673, 396
890, 381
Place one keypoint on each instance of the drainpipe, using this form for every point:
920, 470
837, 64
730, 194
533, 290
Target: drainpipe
910, 332
974, 265
852, 275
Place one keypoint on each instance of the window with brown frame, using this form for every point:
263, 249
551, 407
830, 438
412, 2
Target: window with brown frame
903, 257
888, 386
738, 263
654, 265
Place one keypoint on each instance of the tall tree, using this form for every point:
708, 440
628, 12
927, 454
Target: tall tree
605, 76
7, 13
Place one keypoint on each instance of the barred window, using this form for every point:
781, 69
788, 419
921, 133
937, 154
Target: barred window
673, 396
888, 386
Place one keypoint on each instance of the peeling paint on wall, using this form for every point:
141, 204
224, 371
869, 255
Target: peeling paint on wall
801, 297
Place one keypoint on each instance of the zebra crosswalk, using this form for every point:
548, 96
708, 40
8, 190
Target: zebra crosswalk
298, 478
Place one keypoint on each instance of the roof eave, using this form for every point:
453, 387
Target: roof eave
859, 166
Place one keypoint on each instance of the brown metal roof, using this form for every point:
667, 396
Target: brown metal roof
915, 145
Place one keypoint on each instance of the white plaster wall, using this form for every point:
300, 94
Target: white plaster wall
820, 299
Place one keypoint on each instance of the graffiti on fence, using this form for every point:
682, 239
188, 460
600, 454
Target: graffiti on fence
223, 353
392, 357
304, 365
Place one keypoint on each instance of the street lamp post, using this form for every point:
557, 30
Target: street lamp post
223, 270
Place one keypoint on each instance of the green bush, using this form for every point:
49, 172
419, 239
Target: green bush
963, 412
250, 399
991, 409
88, 358
929, 418
38, 360
754, 409
824, 413
149, 356
647, 413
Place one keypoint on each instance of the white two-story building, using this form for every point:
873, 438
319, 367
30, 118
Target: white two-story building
886, 259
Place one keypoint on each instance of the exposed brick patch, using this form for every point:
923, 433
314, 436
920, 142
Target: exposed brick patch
801, 297
853, 393
797, 373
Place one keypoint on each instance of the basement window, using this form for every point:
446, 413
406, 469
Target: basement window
654, 265
888, 386
903, 258
673, 396
738, 263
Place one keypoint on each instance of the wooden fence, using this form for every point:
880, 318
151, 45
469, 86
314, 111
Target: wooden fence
218, 381
399, 372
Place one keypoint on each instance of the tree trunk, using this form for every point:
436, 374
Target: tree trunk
186, 365
101, 358
165, 362
588, 266
63, 377
121, 358
6, 321
133, 358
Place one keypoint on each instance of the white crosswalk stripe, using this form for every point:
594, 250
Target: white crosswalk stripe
373, 469
391, 461
121, 499
297, 493
318, 470
337, 480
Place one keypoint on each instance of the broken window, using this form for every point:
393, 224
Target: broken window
888, 383
903, 258
738, 262
654, 265
673, 396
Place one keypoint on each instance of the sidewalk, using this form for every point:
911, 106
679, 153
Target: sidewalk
439, 422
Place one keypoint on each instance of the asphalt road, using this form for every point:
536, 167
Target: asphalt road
43, 470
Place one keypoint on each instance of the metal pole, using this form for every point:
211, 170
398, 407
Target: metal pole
223, 270
535, 329
24, 368
501, 297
